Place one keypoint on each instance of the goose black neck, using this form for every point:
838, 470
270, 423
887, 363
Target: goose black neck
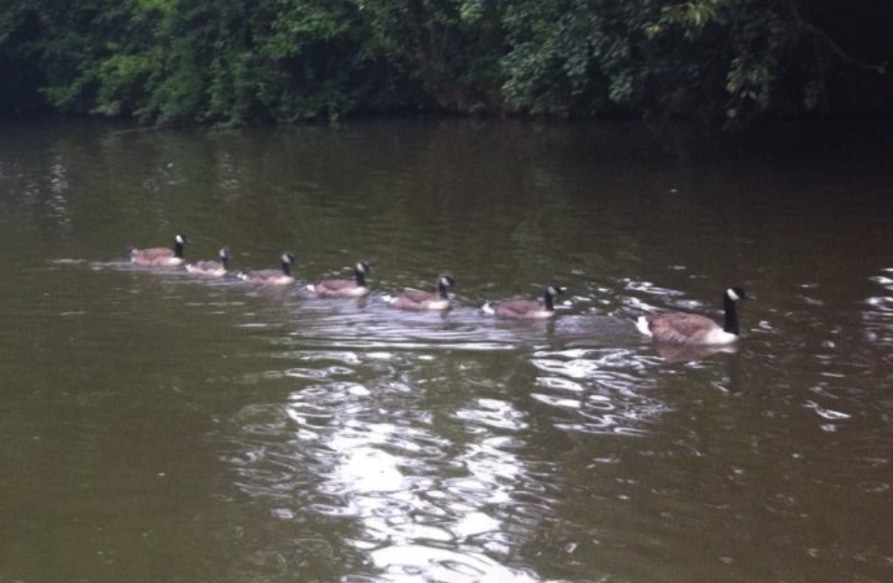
442, 291
360, 277
286, 268
178, 250
731, 323
549, 301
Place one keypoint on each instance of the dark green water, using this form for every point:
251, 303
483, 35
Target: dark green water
155, 426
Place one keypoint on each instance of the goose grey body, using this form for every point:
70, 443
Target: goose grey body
695, 329
281, 276
412, 299
520, 309
344, 288
211, 268
160, 256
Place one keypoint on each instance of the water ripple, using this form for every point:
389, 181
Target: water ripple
413, 562
608, 390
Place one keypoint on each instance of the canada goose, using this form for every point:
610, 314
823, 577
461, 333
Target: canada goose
527, 309
281, 276
695, 329
211, 268
160, 256
412, 299
344, 288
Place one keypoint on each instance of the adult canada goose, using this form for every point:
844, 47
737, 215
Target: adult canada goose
527, 309
695, 329
211, 268
413, 299
344, 288
160, 256
281, 276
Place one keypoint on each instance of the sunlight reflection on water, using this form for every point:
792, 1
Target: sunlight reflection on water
878, 313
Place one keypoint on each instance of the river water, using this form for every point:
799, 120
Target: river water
157, 426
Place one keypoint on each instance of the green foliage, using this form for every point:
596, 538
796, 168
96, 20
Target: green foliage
574, 57
237, 61
19, 67
691, 17
744, 43
450, 49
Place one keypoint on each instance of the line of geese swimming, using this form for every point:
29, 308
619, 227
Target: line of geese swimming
675, 328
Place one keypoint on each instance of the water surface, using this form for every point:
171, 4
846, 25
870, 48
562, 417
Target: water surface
162, 427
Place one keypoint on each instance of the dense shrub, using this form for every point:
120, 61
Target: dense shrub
235, 61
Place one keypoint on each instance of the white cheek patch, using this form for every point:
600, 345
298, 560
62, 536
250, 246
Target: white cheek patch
732, 295
643, 326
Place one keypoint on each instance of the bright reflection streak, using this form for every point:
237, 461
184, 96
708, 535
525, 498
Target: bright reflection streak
407, 508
